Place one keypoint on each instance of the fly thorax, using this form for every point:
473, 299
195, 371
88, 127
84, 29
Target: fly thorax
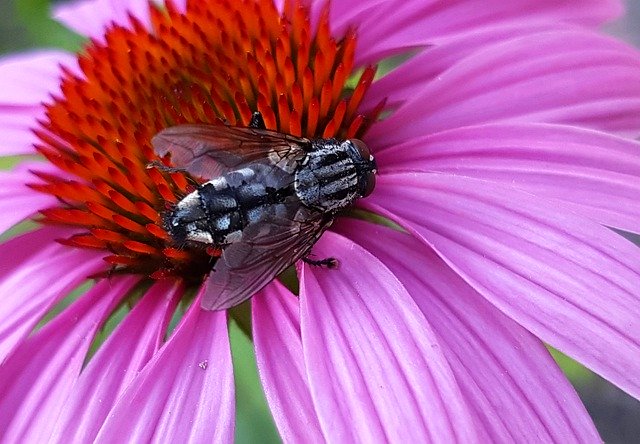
327, 179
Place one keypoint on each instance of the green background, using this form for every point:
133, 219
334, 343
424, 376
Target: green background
26, 24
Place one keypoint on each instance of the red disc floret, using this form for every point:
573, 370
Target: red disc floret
214, 63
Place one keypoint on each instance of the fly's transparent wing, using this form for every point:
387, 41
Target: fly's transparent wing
264, 252
211, 150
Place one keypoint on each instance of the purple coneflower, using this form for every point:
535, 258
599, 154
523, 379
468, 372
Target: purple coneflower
506, 158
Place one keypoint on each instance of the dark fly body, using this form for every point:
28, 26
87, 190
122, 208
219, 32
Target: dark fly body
269, 198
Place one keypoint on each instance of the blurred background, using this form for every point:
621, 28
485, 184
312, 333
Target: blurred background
26, 24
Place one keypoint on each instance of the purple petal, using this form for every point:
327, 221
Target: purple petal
17, 201
33, 77
36, 379
409, 78
115, 365
276, 333
16, 123
36, 273
346, 14
408, 24
185, 393
507, 377
373, 363
568, 280
573, 77
92, 17
594, 174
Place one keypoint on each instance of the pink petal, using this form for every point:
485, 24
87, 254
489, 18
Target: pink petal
276, 333
36, 379
180, 5
568, 280
594, 174
33, 77
344, 15
36, 273
16, 123
507, 377
93, 17
373, 363
409, 78
398, 25
17, 201
116, 364
573, 77
185, 393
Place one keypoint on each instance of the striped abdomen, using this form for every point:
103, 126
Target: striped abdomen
218, 212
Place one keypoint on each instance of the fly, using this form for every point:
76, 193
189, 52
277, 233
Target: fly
268, 199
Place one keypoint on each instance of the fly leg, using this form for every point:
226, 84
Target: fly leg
328, 262
162, 167
167, 169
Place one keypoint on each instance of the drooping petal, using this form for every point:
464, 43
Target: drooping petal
409, 24
17, 201
276, 334
594, 174
92, 17
574, 77
185, 393
32, 78
568, 280
373, 363
36, 273
36, 379
516, 390
116, 364
16, 123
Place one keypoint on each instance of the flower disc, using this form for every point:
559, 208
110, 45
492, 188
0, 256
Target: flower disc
215, 63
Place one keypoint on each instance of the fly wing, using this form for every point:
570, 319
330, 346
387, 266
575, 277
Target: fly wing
264, 252
211, 150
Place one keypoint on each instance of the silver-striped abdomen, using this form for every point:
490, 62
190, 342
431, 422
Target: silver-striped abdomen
218, 212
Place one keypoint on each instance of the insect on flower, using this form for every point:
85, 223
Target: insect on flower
269, 198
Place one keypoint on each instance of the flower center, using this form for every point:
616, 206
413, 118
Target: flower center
214, 63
